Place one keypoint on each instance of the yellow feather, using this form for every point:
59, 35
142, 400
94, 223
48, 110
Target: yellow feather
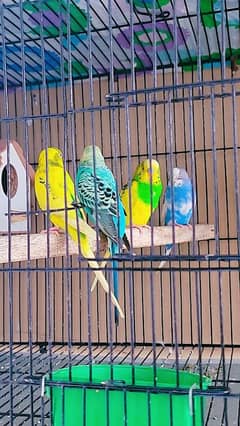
102, 265
140, 211
51, 192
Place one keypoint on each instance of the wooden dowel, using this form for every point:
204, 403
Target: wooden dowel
141, 237
163, 235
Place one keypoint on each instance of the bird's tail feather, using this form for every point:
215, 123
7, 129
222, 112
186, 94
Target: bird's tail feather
102, 265
167, 253
114, 250
100, 277
88, 253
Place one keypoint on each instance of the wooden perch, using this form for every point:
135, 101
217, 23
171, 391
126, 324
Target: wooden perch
162, 235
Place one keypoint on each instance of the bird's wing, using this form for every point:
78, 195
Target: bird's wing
88, 184
53, 185
56, 193
183, 205
43, 189
109, 226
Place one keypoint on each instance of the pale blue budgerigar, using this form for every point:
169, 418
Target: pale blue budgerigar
181, 194
98, 196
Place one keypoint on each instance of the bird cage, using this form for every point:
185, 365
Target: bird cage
120, 290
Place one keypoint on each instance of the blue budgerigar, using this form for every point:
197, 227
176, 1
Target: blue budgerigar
97, 193
180, 212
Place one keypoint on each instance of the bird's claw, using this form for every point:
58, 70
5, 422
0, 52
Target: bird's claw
53, 230
184, 226
139, 227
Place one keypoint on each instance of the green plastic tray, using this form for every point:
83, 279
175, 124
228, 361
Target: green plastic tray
137, 408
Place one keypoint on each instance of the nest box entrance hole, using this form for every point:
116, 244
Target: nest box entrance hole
13, 181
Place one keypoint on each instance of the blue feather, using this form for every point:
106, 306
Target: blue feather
178, 203
114, 251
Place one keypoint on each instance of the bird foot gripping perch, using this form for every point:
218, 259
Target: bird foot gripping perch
53, 230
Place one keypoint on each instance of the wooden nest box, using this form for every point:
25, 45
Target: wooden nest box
18, 189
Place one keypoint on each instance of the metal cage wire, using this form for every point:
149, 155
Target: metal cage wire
140, 79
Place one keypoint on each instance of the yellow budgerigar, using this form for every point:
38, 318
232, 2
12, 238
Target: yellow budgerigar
54, 184
145, 189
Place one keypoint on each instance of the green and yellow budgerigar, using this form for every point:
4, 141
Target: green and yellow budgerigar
145, 189
52, 182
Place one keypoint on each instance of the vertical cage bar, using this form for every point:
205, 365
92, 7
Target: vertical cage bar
175, 28
93, 141
199, 60
26, 143
223, 40
130, 274
65, 153
153, 327
132, 48
215, 173
45, 137
236, 162
172, 273
154, 28
9, 267
115, 151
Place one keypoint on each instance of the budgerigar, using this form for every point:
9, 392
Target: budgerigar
56, 186
183, 201
146, 189
97, 193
